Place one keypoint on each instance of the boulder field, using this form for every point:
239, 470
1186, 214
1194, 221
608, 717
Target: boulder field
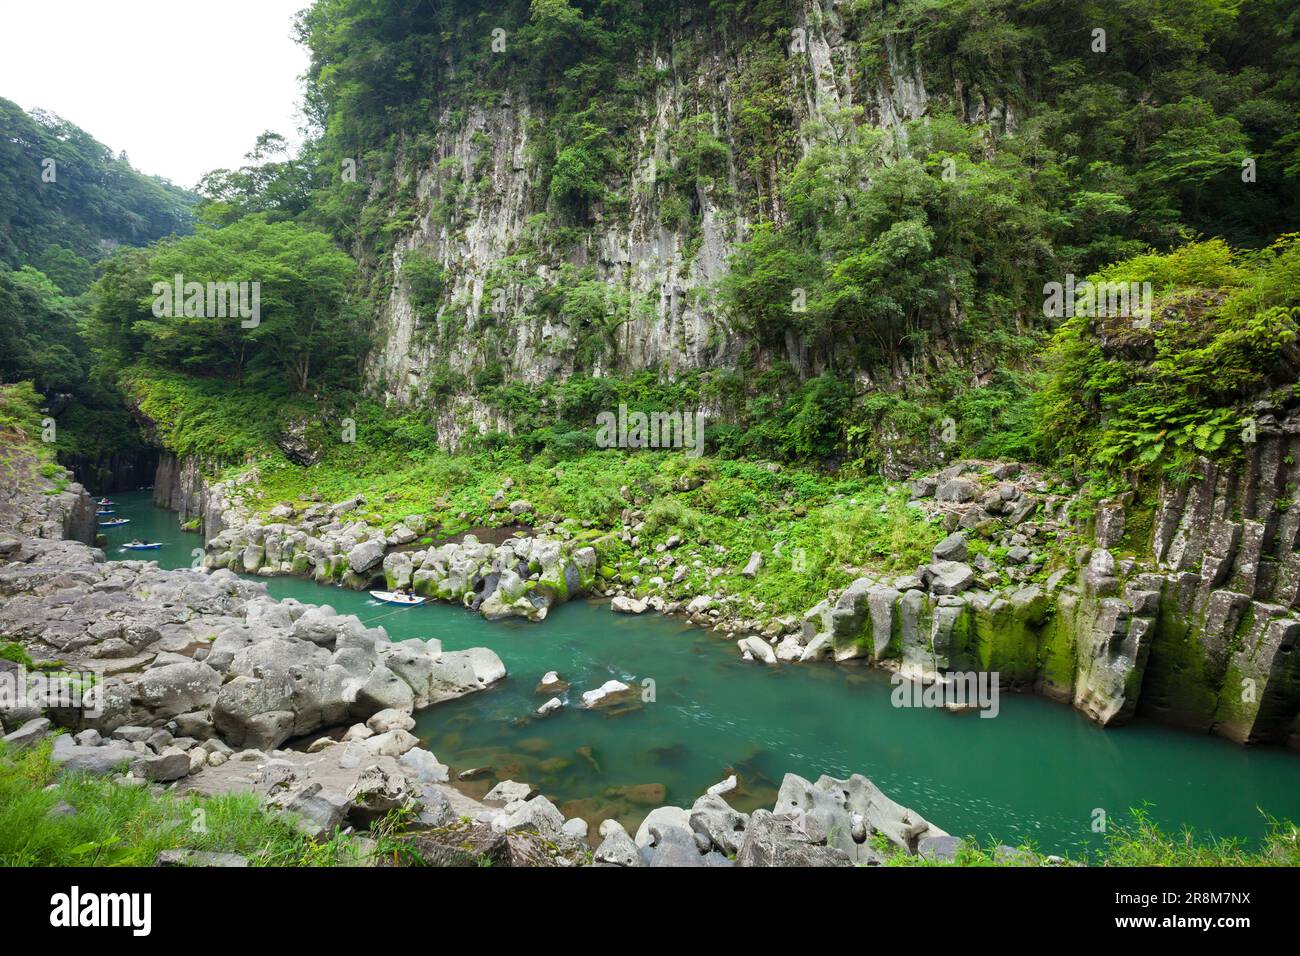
211, 655
204, 677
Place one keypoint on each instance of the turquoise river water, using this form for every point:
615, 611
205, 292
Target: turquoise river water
1037, 773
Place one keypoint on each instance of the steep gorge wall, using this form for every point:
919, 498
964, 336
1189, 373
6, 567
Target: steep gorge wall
666, 270
180, 485
1224, 656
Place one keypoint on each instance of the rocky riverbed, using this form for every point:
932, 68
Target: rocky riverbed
202, 679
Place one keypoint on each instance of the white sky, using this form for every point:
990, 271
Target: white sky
184, 86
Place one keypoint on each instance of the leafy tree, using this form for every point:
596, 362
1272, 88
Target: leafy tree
38, 333
274, 182
306, 330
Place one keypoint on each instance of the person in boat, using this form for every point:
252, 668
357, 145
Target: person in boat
135, 542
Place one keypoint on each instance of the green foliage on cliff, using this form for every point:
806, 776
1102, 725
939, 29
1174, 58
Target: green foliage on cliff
884, 303
38, 333
863, 274
1223, 333
904, 251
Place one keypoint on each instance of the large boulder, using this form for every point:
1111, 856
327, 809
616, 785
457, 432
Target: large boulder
317, 811
780, 840
537, 814
850, 811
757, 648
176, 689
617, 849
719, 823
71, 757
951, 548
950, 577
28, 735
365, 556
662, 818
376, 793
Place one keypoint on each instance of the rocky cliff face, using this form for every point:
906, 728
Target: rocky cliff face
496, 261
1191, 619
1224, 654
181, 486
41, 507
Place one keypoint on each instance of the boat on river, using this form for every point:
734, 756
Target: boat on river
143, 546
115, 523
392, 597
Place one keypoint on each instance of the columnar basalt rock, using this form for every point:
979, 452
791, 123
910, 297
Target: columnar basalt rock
632, 249
1196, 628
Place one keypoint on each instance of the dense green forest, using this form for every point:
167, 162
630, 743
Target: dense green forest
66, 200
66, 203
1168, 154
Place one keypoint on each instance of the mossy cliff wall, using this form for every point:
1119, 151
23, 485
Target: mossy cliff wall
1189, 618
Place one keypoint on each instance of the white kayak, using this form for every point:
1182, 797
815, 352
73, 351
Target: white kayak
142, 547
115, 523
405, 600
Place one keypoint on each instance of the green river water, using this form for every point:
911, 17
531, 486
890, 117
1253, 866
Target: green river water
1037, 773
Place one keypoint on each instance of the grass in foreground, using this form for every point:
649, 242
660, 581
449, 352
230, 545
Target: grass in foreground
1140, 842
113, 825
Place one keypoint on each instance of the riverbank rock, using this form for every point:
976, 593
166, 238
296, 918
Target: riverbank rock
757, 649
778, 840
608, 692
463, 843
627, 605
215, 652
521, 577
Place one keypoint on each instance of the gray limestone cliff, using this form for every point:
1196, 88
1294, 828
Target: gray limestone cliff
495, 262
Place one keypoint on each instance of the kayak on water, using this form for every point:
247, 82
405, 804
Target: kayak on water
142, 546
116, 522
104, 502
391, 597
105, 511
